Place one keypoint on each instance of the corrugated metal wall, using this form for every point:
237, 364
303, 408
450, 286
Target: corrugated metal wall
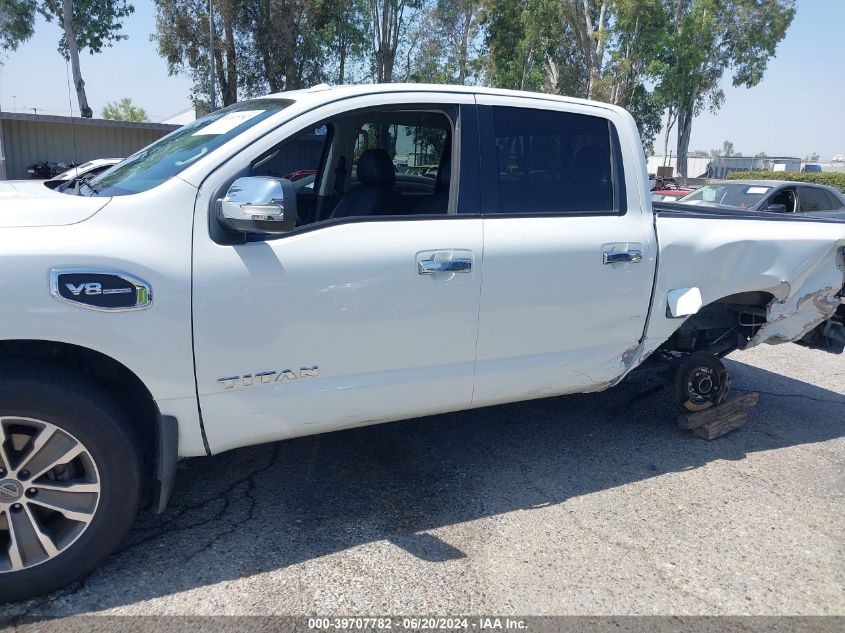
29, 138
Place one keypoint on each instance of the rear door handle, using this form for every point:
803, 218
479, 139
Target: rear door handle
624, 257
431, 266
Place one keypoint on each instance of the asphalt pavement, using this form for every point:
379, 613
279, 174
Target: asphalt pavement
587, 504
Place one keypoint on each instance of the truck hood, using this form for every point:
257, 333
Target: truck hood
30, 203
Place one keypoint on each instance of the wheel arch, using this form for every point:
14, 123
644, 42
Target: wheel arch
725, 312
120, 381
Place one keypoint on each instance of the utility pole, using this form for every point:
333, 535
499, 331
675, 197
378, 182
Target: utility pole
213, 95
2, 154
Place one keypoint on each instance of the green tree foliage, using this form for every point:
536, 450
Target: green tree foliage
17, 22
529, 47
182, 35
652, 57
346, 33
85, 24
599, 49
708, 37
124, 110
261, 46
446, 38
390, 28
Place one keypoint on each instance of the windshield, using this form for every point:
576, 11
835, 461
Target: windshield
731, 195
168, 156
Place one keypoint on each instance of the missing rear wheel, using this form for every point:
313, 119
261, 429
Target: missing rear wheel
701, 381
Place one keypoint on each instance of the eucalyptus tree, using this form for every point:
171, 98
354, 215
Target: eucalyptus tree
390, 27
259, 46
183, 39
443, 44
707, 38
346, 27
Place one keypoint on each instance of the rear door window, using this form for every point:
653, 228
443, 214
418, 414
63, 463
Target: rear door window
835, 203
811, 199
549, 162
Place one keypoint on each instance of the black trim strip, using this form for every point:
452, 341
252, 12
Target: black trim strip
487, 149
323, 224
620, 192
468, 176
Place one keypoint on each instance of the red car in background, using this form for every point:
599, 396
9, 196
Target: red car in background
669, 195
300, 173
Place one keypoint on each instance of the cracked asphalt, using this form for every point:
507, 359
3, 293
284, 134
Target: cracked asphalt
588, 504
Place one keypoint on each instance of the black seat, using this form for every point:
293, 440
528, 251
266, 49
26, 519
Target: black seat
591, 190
376, 195
439, 202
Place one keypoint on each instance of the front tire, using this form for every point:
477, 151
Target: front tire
70, 478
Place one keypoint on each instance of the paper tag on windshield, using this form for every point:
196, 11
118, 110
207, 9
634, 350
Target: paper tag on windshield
227, 122
757, 189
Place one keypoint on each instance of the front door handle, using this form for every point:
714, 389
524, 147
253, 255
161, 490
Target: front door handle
431, 266
624, 257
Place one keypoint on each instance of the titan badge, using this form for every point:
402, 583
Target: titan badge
266, 377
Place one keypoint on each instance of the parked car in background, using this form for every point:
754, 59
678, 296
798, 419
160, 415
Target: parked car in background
299, 174
812, 168
779, 196
71, 178
43, 169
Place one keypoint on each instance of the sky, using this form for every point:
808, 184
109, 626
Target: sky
797, 109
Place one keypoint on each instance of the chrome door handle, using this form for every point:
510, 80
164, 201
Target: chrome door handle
625, 257
430, 266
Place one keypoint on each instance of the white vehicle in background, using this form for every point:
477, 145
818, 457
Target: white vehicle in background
71, 178
191, 300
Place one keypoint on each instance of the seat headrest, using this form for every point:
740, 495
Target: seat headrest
444, 171
591, 162
375, 169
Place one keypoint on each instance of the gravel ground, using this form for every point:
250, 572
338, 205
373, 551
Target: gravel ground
589, 504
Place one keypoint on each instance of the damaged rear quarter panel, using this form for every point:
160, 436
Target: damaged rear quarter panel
798, 262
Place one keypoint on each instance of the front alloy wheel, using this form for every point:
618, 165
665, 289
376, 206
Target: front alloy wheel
49, 492
70, 476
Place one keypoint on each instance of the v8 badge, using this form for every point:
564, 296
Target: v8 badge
99, 289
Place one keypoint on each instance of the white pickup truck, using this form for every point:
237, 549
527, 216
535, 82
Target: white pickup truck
336, 257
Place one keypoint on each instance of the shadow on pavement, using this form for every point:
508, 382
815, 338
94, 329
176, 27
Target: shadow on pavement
267, 507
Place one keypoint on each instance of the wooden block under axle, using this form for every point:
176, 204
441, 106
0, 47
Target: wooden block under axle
721, 426
739, 404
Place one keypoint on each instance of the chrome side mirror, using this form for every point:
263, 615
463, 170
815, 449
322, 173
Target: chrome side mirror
259, 204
